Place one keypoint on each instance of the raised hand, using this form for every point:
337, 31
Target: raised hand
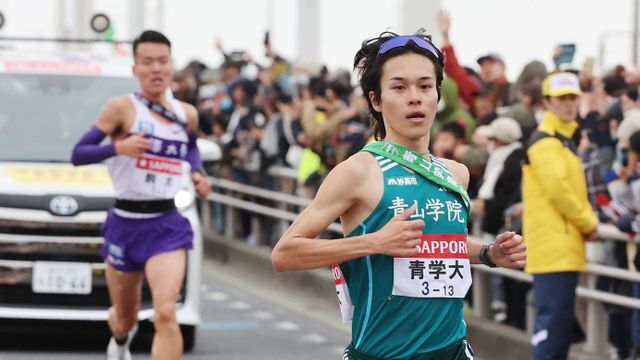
444, 24
218, 44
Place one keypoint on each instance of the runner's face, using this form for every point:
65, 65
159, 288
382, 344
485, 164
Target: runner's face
153, 67
408, 97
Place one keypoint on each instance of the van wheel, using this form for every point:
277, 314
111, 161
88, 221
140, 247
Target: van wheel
188, 337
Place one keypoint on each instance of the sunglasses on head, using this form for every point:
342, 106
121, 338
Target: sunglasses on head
401, 41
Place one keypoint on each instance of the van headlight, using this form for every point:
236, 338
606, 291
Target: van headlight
183, 199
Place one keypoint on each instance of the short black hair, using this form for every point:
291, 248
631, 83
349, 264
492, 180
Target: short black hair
454, 128
249, 87
283, 99
150, 36
318, 86
632, 93
340, 88
227, 64
369, 66
634, 142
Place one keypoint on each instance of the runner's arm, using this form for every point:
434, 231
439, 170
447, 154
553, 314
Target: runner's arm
198, 176
299, 250
340, 191
461, 175
88, 150
509, 250
193, 154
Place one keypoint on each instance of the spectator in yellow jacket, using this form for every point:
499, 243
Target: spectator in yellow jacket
558, 217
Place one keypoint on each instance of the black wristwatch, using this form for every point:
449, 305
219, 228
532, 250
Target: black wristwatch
484, 256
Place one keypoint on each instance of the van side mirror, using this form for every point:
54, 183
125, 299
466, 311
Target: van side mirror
209, 151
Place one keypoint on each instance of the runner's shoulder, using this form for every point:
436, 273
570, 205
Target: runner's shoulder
188, 107
356, 169
118, 108
348, 180
458, 170
192, 114
119, 103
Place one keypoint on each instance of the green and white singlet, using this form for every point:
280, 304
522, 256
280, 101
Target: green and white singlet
408, 307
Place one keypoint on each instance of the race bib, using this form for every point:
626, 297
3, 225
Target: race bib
159, 177
441, 269
342, 290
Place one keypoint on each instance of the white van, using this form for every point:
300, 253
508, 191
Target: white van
50, 211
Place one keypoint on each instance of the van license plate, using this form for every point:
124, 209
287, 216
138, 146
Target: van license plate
61, 277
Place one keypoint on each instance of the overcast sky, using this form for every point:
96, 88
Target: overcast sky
520, 30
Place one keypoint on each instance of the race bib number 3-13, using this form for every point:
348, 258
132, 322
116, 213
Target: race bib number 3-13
441, 269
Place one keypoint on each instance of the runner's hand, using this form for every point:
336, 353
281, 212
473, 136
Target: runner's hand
201, 183
133, 146
509, 251
399, 237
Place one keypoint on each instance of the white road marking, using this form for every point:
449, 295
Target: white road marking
286, 326
240, 305
339, 349
314, 338
262, 315
217, 296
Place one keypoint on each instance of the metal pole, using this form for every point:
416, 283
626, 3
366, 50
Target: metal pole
136, 17
270, 15
82, 15
206, 218
160, 15
634, 38
482, 294
61, 15
601, 49
309, 30
597, 325
83, 9
418, 14
60, 19
231, 219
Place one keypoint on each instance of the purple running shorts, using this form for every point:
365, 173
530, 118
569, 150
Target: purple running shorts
129, 243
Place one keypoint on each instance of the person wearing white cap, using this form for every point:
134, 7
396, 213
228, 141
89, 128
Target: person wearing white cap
503, 134
558, 217
499, 189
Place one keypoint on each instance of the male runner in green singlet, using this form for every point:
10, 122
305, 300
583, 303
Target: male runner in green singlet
405, 258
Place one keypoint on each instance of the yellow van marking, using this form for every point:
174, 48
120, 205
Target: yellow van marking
63, 174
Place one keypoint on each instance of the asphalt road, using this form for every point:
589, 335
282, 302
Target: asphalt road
244, 317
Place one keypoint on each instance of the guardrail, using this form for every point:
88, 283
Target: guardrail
283, 207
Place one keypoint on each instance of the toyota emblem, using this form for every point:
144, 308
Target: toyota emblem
63, 205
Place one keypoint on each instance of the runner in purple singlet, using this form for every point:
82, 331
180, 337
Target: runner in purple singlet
152, 149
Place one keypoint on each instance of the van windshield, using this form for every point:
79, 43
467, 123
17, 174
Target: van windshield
42, 116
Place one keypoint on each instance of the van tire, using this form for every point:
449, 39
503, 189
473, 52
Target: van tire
188, 337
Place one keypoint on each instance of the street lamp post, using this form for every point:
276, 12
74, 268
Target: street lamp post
634, 38
309, 31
